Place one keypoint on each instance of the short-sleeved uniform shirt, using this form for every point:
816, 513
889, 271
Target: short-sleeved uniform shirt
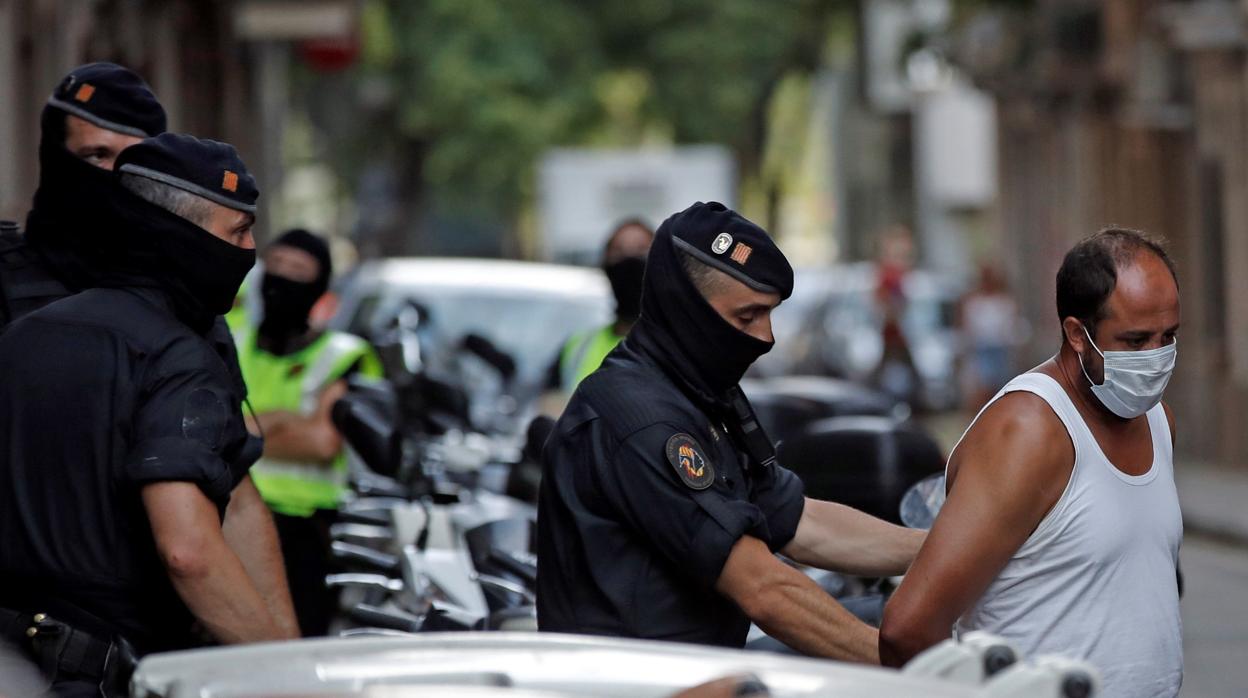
627, 545
102, 393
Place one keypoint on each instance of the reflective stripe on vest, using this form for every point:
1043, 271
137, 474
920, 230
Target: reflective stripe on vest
299, 488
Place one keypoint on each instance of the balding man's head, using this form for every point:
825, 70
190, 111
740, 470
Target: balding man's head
1091, 269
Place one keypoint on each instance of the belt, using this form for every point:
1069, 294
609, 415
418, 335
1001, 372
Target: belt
64, 650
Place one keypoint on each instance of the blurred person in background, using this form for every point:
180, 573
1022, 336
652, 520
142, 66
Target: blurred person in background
662, 506
990, 325
1062, 526
295, 373
96, 111
238, 319
895, 373
624, 263
126, 512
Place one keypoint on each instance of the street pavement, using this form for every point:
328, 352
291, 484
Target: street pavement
1214, 499
1215, 618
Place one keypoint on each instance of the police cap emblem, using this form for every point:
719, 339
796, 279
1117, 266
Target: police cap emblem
721, 243
688, 458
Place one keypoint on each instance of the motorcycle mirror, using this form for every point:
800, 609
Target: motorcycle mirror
365, 426
408, 321
491, 354
398, 342
921, 503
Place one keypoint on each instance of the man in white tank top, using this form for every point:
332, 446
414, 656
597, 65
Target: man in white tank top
1061, 530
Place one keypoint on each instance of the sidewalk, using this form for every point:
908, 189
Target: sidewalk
1214, 499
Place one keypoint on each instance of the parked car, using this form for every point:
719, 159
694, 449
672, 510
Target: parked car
506, 664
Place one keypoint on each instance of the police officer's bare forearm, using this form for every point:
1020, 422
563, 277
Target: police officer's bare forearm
250, 533
297, 437
204, 570
790, 607
836, 537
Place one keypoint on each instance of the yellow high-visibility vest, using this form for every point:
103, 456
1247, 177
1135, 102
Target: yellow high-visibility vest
294, 383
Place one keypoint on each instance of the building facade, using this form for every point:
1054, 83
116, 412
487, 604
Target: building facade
1131, 113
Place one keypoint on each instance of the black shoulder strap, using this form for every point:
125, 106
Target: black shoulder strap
756, 442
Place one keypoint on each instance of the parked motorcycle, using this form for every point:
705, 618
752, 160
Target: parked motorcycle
428, 542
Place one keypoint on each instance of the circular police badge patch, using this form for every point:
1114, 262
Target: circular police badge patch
721, 243
686, 456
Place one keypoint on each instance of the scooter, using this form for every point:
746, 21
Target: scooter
428, 545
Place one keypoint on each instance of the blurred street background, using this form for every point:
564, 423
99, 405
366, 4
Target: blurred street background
926, 163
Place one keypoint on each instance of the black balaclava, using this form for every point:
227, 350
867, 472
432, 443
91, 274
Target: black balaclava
626, 276
678, 328
200, 272
64, 225
287, 302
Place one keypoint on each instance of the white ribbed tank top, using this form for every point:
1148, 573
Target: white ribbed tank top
1096, 579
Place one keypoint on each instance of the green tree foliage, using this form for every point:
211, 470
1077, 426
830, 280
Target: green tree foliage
478, 89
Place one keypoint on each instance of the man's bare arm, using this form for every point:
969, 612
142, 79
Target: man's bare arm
836, 537
295, 437
205, 572
1011, 469
250, 533
790, 607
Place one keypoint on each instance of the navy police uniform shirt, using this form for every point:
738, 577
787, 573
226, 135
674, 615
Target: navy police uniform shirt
642, 499
103, 393
26, 285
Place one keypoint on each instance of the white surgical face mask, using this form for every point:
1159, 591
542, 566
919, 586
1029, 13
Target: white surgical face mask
1134, 380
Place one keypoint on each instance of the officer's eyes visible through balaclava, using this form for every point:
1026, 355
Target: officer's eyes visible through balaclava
94, 145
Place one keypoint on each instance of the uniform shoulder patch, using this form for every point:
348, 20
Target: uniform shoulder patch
204, 418
690, 461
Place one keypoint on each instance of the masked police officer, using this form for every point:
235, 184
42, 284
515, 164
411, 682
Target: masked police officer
97, 111
125, 510
624, 263
661, 502
295, 374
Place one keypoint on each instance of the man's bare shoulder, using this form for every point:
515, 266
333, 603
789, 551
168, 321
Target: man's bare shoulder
1018, 435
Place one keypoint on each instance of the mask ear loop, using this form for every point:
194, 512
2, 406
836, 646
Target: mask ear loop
1095, 348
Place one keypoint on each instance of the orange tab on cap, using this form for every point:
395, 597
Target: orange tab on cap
230, 181
741, 253
84, 93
